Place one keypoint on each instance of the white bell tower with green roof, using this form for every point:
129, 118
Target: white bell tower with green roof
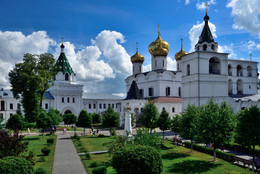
66, 92
63, 68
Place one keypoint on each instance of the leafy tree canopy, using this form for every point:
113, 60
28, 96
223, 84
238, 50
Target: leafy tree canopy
55, 115
110, 118
164, 121
29, 81
69, 118
44, 120
149, 115
15, 122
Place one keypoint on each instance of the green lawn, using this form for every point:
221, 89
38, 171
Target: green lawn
36, 145
175, 159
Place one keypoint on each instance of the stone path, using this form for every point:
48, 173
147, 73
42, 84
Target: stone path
66, 159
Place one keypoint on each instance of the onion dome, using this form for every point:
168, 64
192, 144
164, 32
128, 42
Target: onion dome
180, 53
159, 47
137, 57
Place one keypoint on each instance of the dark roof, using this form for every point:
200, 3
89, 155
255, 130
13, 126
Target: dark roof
48, 95
63, 64
206, 35
133, 92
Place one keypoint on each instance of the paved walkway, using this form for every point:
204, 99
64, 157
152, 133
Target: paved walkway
66, 159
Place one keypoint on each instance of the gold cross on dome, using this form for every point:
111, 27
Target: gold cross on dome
207, 6
136, 46
159, 30
181, 43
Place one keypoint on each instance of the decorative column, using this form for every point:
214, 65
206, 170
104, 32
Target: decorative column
128, 126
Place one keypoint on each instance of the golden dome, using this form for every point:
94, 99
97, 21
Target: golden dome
180, 53
137, 57
159, 47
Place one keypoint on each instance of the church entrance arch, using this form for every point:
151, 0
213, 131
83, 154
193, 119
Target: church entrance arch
214, 65
67, 112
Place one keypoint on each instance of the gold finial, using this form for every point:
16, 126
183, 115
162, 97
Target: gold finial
136, 46
206, 5
159, 30
181, 43
250, 56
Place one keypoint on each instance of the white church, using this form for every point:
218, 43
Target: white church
200, 75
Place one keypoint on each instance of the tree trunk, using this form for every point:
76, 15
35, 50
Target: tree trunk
41, 98
191, 145
175, 139
253, 167
214, 152
163, 134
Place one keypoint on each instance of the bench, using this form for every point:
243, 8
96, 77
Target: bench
246, 162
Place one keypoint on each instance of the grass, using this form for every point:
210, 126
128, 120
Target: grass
36, 143
175, 159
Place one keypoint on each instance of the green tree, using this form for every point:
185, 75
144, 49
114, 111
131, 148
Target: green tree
110, 119
164, 121
16, 123
247, 129
84, 120
69, 119
149, 116
55, 115
43, 121
96, 118
188, 123
30, 79
215, 124
175, 126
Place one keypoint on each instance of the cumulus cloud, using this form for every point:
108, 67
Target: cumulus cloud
171, 64
246, 15
13, 45
147, 68
228, 49
107, 42
202, 5
187, 2
196, 30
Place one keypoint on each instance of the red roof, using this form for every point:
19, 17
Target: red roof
167, 100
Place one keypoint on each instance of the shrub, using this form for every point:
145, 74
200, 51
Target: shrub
223, 155
138, 160
76, 137
31, 138
87, 155
46, 151
94, 164
12, 164
50, 140
40, 171
42, 159
30, 157
96, 118
240, 148
31, 125
100, 170
113, 132
11, 145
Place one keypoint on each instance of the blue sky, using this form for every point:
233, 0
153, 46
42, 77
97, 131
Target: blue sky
100, 36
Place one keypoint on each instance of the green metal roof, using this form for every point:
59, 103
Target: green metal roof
63, 64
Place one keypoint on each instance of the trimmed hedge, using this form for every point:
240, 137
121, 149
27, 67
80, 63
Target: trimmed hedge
137, 160
46, 151
13, 164
100, 170
240, 148
30, 125
223, 155
50, 140
40, 171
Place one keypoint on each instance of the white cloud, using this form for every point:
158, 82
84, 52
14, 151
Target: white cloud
251, 45
147, 68
187, 2
202, 5
196, 30
171, 64
246, 15
118, 58
13, 45
227, 49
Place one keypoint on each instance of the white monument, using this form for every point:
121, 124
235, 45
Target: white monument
128, 125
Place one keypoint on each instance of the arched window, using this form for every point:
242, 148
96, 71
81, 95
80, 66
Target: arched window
140, 68
68, 112
142, 92
179, 90
163, 63
188, 69
204, 47
66, 76
168, 91
239, 70
229, 70
212, 47
151, 92
214, 65
68, 99
239, 87
62, 100
155, 63
249, 71
230, 87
